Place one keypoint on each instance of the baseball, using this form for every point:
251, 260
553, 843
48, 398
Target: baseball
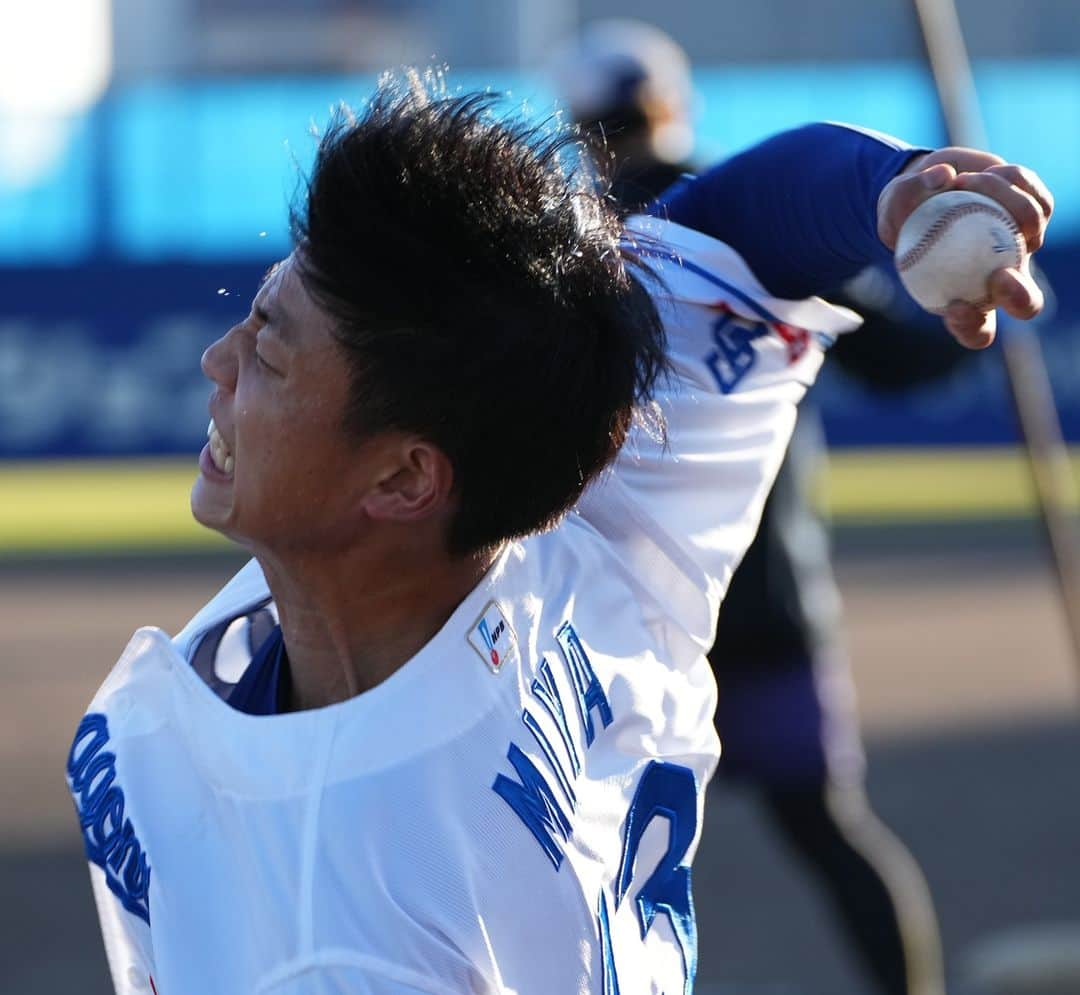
950, 245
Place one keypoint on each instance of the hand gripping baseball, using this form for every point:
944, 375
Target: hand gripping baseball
1017, 189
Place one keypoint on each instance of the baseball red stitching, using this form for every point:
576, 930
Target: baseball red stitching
933, 233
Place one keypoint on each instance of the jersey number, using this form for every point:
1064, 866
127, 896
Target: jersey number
667, 790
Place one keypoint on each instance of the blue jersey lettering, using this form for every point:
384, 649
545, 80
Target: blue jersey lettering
535, 804
587, 685
734, 356
108, 837
547, 691
533, 799
549, 752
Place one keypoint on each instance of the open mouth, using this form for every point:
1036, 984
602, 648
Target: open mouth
219, 452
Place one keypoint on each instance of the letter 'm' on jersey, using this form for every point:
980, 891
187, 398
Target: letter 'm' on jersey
535, 803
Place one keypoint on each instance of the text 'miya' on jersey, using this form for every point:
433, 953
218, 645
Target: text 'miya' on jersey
516, 808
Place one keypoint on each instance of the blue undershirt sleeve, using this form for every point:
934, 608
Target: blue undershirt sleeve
800, 207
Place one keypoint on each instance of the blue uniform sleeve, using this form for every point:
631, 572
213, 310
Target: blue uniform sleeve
800, 207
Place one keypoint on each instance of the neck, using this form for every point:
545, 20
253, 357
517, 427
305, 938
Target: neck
351, 620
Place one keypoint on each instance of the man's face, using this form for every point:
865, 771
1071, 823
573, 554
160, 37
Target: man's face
279, 471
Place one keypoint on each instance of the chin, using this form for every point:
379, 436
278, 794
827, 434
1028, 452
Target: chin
209, 507
211, 510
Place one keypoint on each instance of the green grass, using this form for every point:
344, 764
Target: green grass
87, 506
912, 485
142, 505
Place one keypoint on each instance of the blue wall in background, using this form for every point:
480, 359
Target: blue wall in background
199, 169
104, 360
111, 263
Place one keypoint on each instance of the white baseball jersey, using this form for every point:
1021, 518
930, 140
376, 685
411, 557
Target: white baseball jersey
516, 808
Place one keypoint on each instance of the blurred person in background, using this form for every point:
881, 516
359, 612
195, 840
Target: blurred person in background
627, 85
786, 710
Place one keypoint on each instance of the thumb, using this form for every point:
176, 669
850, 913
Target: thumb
905, 193
936, 178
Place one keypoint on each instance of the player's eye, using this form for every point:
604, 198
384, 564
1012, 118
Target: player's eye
265, 365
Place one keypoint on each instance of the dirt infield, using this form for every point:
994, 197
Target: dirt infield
969, 704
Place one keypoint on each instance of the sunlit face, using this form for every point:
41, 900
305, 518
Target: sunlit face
279, 470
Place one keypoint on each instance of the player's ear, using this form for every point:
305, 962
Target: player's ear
415, 484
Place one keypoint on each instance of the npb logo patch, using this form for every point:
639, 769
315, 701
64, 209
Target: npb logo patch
493, 638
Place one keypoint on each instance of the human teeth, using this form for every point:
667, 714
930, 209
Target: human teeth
219, 451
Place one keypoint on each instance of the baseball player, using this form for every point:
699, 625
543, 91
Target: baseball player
470, 755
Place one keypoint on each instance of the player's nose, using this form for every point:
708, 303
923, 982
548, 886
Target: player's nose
219, 363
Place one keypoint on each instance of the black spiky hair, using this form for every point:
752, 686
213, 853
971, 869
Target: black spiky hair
479, 287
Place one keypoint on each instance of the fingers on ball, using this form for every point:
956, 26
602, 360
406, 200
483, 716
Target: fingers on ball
1016, 293
1029, 180
962, 158
971, 327
1026, 211
905, 193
